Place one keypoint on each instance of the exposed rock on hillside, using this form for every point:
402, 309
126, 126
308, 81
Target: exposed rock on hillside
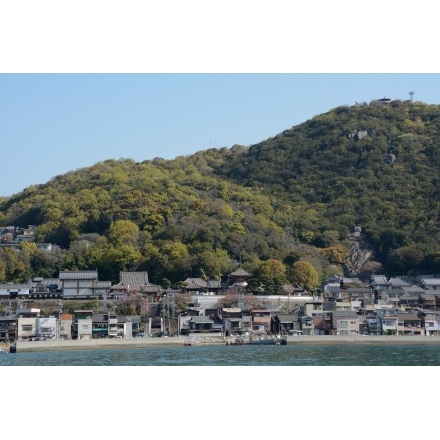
358, 253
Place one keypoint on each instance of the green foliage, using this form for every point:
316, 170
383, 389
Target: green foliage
335, 254
304, 274
271, 274
307, 186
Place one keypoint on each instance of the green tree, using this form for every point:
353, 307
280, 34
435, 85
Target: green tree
335, 254
272, 275
123, 232
304, 274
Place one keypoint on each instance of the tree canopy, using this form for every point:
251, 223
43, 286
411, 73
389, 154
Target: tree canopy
303, 190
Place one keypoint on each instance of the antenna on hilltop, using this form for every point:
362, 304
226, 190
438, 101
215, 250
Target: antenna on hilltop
411, 94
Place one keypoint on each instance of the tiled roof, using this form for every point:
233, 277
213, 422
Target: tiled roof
379, 279
214, 284
240, 273
78, 275
398, 282
151, 288
431, 281
408, 317
287, 318
44, 281
195, 283
15, 286
201, 319
102, 284
358, 290
134, 279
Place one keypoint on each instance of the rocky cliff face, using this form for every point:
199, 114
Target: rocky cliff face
358, 253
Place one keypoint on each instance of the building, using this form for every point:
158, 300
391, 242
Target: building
83, 285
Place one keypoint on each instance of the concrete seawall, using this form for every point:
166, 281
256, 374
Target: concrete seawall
93, 344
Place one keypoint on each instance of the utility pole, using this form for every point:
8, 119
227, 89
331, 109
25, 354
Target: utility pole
411, 94
104, 302
60, 311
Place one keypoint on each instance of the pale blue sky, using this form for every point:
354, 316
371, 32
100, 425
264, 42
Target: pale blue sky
54, 123
219, 74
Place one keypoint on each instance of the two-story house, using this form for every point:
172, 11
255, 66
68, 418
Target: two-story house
389, 320
286, 324
83, 284
8, 327
409, 324
27, 323
232, 320
345, 322
261, 320
432, 324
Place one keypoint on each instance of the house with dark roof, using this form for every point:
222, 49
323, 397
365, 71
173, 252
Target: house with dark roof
294, 290
232, 318
201, 324
135, 282
378, 284
83, 284
286, 324
430, 284
200, 286
15, 291
45, 288
8, 328
398, 283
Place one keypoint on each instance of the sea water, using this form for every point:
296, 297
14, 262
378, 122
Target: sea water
289, 355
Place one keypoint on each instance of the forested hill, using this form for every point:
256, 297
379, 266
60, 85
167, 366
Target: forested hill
296, 196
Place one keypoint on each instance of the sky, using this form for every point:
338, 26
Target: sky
54, 123
117, 83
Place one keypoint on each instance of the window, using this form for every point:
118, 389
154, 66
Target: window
343, 324
26, 327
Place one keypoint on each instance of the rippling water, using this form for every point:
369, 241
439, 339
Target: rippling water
290, 355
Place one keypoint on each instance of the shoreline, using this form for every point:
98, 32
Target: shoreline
179, 341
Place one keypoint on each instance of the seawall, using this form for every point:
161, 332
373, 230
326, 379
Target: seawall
93, 344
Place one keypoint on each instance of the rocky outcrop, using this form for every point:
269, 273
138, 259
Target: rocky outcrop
358, 135
358, 253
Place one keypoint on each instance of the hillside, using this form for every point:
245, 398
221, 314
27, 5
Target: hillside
356, 188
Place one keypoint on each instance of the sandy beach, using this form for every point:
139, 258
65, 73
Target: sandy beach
93, 344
